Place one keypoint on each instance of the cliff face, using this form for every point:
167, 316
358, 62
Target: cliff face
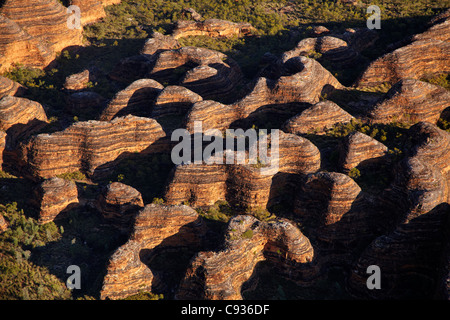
91, 10
91, 146
211, 28
53, 196
10, 88
411, 101
156, 228
427, 54
219, 275
45, 20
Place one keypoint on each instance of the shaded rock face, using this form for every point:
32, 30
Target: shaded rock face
427, 54
138, 98
17, 46
422, 178
45, 20
174, 100
131, 269
220, 275
79, 81
317, 119
84, 102
119, 203
306, 85
243, 186
408, 258
53, 196
10, 88
411, 101
357, 148
211, 28
91, 146
20, 117
91, 10
3, 224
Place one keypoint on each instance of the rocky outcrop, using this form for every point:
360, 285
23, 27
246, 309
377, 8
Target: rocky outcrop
45, 20
138, 98
422, 179
211, 28
18, 47
10, 88
79, 81
156, 228
317, 119
409, 259
427, 54
91, 10
2, 146
325, 197
92, 146
219, 275
245, 186
159, 42
3, 224
53, 196
174, 100
411, 101
307, 84
357, 148
20, 117
119, 204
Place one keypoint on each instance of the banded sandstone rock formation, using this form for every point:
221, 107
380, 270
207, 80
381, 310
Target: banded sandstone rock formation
156, 228
427, 54
411, 101
410, 258
46, 20
317, 119
357, 148
10, 88
159, 42
211, 28
138, 97
18, 47
219, 275
80, 81
54, 196
92, 146
91, 10
422, 179
119, 204
307, 84
245, 186
174, 100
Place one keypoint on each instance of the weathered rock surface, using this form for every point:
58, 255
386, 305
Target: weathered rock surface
174, 100
137, 97
79, 81
156, 227
119, 204
427, 54
45, 20
3, 224
92, 146
306, 85
10, 88
245, 186
317, 119
159, 42
411, 101
409, 258
422, 179
219, 275
91, 10
211, 28
18, 47
53, 196
357, 148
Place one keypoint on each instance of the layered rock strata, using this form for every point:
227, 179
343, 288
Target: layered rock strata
92, 146
138, 97
211, 28
174, 100
155, 227
119, 203
411, 101
357, 148
91, 10
53, 196
219, 275
10, 88
317, 119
